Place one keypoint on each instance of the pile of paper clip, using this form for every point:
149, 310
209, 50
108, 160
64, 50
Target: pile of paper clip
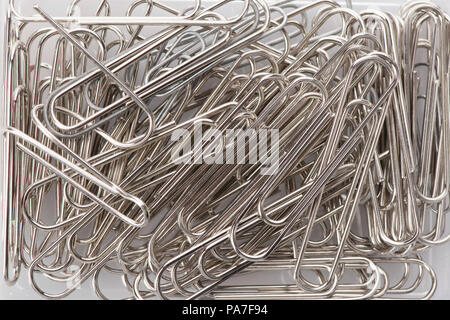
360, 102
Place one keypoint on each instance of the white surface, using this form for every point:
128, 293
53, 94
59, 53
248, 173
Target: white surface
437, 257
